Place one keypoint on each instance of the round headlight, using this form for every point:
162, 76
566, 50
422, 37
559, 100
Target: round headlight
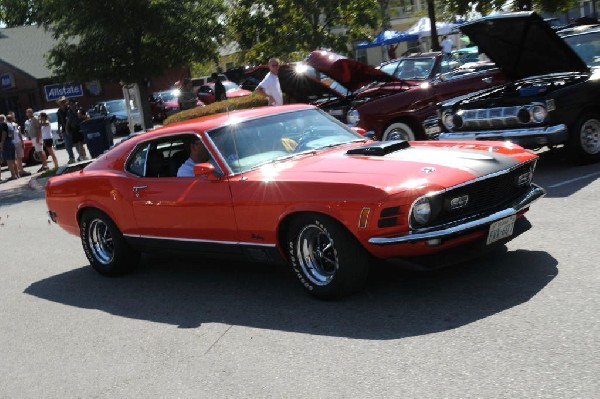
538, 113
421, 211
448, 120
352, 117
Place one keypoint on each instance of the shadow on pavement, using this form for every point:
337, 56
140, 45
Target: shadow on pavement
396, 303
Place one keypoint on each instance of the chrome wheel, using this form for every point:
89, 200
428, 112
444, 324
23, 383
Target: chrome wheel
100, 241
316, 254
589, 136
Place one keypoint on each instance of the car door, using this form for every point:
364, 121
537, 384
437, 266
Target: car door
186, 212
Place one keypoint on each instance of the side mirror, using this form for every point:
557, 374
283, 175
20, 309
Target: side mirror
206, 170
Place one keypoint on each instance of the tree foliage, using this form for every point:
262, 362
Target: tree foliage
464, 7
17, 12
292, 28
129, 40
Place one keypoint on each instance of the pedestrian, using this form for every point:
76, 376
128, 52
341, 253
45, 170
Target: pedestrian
392, 51
187, 98
7, 147
35, 135
220, 93
74, 129
269, 86
46, 129
18, 141
61, 116
447, 45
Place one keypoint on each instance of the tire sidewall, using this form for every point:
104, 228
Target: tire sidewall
124, 258
400, 126
352, 269
575, 147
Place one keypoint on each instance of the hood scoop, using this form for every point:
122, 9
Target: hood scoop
379, 148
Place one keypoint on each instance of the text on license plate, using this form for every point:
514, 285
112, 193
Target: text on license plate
501, 229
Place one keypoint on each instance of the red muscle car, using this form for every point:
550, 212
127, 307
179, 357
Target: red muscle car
292, 184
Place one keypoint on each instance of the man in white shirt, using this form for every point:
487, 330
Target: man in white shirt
447, 45
269, 86
198, 154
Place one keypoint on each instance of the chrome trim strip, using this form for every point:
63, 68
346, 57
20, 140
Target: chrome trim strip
199, 240
534, 193
549, 131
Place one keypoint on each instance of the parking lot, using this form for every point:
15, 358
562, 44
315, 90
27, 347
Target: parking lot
520, 323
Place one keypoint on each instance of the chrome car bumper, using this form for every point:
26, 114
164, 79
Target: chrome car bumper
521, 203
532, 136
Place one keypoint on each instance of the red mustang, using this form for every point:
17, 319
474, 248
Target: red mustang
293, 184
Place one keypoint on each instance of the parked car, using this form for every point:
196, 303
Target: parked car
206, 93
165, 103
30, 156
292, 184
117, 111
396, 100
554, 95
53, 119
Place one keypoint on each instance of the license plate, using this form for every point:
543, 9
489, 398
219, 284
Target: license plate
501, 229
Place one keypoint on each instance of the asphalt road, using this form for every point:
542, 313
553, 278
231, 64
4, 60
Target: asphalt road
522, 323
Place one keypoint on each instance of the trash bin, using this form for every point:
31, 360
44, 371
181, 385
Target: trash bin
98, 135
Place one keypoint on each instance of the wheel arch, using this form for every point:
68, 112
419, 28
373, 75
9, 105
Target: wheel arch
284, 224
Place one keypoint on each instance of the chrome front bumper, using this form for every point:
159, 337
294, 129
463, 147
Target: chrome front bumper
539, 135
521, 203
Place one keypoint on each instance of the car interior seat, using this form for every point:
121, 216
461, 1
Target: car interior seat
155, 164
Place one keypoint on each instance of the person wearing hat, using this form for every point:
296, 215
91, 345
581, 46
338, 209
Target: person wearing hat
61, 116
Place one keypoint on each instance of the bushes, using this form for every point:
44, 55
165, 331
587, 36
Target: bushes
232, 104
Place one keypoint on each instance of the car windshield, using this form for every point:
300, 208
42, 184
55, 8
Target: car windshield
229, 86
115, 106
410, 68
249, 144
587, 46
167, 95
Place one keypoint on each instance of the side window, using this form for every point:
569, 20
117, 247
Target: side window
137, 163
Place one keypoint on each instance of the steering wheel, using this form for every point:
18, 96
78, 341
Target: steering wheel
309, 134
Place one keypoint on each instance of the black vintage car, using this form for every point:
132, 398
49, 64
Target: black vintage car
554, 94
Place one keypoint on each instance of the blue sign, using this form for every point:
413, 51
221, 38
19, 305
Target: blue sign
54, 92
8, 82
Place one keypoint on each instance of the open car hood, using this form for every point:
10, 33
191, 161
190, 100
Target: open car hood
350, 73
523, 44
300, 87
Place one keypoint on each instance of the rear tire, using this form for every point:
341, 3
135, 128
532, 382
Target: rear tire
584, 140
104, 245
327, 259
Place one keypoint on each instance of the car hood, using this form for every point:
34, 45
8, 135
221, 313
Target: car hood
522, 44
416, 166
349, 73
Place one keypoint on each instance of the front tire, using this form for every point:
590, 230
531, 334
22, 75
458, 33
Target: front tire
104, 245
584, 140
327, 259
398, 131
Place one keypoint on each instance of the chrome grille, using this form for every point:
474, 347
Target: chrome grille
498, 117
485, 195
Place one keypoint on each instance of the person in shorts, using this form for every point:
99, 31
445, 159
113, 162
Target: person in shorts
18, 142
46, 129
74, 129
35, 135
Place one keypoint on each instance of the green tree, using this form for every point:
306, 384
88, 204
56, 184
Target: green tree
17, 12
292, 28
463, 7
129, 41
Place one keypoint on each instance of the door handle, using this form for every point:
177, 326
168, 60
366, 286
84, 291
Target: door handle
136, 190
487, 80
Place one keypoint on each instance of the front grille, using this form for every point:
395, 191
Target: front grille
496, 117
485, 195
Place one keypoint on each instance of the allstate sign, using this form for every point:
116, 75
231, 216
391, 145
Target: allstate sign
54, 92
8, 81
